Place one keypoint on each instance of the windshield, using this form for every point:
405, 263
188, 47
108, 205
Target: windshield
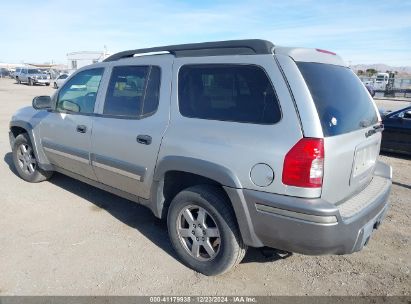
34, 71
343, 103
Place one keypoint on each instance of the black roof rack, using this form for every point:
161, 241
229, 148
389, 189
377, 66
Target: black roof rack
217, 48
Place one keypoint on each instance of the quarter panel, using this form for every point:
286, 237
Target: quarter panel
235, 146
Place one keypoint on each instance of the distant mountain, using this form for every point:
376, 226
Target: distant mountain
380, 67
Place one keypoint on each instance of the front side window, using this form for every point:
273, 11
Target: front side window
239, 93
133, 91
80, 92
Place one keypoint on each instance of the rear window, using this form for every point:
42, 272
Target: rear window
343, 104
239, 93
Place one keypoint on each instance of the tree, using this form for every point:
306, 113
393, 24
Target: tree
360, 72
371, 72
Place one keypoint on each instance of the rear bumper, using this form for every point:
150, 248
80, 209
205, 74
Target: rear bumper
314, 226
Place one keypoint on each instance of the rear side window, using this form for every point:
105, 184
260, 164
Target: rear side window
240, 93
133, 91
343, 104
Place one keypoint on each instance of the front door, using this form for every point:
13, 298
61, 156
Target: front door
66, 131
128, 130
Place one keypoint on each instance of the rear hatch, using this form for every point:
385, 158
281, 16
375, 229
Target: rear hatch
350, 126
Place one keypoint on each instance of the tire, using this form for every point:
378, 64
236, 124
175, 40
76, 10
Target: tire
25, 161
55, 85
18, 80
30, 82
47, 84
228, 248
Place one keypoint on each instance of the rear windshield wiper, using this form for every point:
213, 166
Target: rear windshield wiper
375, 129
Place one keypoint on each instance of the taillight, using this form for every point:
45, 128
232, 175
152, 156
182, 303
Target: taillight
304, 164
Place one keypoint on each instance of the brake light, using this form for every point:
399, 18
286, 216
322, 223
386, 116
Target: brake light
304, 164
325, 52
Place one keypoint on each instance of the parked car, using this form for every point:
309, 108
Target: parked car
32, 77
234, 143
16, 72
4, 73
397, 131
59, 80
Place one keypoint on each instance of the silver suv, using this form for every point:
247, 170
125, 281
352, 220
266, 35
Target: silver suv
234, 143
32, 76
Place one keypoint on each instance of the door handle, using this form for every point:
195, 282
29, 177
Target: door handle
81, 129
144, 139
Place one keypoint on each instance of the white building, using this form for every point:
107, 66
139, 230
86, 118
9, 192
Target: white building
76, 60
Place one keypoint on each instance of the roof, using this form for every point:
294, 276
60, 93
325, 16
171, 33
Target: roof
217, 48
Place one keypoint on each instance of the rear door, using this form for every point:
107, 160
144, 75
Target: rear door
128, 130
350, 126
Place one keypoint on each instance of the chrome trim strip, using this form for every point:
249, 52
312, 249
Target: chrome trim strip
118, 171
301, 216
71, 156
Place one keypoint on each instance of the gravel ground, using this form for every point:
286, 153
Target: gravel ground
64, 237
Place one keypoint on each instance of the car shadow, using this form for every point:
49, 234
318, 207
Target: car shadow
137, 216
8, 159
128, 212
396, 155
264, 255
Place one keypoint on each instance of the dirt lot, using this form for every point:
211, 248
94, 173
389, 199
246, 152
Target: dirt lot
66, 238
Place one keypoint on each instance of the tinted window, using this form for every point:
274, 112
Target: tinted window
133, 91
240, 93
34, 71
80, 92
343, 104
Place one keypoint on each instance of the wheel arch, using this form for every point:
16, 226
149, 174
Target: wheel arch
18, 127
176, 173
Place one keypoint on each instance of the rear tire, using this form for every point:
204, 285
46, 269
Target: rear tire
47, 84
25, 161
203, 230
18, 80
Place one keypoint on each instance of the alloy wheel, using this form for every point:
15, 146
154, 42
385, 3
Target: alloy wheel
198, 233
26, 159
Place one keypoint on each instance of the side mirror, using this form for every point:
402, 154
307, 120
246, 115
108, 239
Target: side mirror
42, 102
407, 114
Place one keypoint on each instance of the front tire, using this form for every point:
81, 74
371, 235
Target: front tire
55, 86
30, 82
25, 161
203, 230
18, 80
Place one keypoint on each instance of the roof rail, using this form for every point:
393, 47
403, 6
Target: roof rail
217, 48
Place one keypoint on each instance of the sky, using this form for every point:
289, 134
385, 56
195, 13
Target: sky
362, 31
